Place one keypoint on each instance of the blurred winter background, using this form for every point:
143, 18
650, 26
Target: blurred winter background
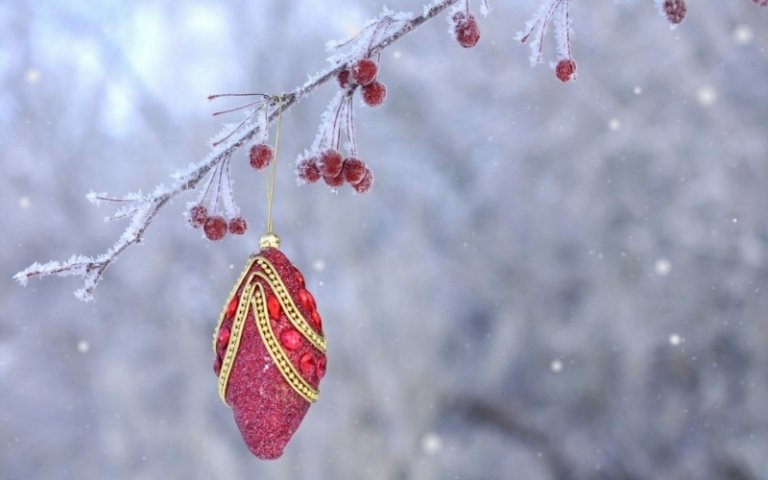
547, 281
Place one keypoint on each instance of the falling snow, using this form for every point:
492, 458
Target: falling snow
526, 290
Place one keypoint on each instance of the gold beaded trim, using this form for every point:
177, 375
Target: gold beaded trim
235, 334
232, 294
287, 370
286, 302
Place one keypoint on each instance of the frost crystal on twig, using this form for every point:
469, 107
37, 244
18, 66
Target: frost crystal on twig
556, 13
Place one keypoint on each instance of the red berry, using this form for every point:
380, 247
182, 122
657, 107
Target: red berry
565, 70
308, 171
343, 78
364, 71
675, 10
215, 227
466, 30
374, 94
197, 216
261, 156
365, 183
353, 170
238, 226
330, 163
762, 3
335, 182
223, 338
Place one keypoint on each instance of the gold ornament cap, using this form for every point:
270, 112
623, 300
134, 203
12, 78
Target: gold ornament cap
270, 240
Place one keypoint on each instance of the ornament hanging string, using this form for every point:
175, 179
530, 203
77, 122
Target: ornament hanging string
271, 176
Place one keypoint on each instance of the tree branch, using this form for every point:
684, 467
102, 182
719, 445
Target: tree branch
143, 209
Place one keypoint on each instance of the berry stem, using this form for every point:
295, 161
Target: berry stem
351, 136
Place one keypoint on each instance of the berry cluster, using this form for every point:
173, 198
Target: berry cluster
335, 171
215, 226
465, 28
363, 73
675, 10
325, 160
215, 210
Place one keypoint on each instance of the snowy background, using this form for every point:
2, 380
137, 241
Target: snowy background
547, 281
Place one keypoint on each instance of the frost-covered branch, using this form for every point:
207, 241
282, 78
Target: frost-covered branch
144, 208
354, 63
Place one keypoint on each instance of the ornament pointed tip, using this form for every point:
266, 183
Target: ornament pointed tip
270, 240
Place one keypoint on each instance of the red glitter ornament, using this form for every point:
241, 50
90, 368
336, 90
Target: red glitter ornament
274, 358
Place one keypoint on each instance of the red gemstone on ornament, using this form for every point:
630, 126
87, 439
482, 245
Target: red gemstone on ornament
217, 365
223, 339
316, 322
232, 308
307, 364
273, 305
291, 339
321, 367
299, 278
307, 299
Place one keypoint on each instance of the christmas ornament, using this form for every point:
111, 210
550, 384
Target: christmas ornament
269, 348
269, 351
